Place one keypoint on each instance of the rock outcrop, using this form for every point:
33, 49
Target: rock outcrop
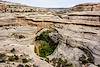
77, 36
87, 7
16, 7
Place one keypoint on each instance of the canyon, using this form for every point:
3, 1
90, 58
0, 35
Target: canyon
70, 37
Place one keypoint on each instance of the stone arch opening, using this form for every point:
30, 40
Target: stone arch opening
45, 45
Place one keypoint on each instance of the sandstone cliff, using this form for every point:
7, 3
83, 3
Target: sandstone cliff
87, 7
42, 38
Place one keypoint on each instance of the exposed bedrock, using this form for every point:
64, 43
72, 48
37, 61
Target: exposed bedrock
82, 36
87, 7
73, 42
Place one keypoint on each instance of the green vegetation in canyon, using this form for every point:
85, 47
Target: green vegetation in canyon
47, 45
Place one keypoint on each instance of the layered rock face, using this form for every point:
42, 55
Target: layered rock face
16, 7
81, 29
87, 7
76, 34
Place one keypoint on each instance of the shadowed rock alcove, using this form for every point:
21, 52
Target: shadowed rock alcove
45, 45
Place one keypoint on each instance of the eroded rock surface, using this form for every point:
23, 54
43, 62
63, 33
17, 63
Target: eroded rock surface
77, 36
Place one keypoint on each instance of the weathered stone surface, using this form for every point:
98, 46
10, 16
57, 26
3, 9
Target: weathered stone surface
78, 33
87, 7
